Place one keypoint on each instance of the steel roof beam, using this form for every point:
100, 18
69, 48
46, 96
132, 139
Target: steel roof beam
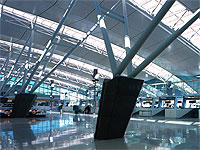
14, 85
7, 59
18, 57
6, 68
111, 11
144, 36
112, 16
164, 45
127, 40
49, 44
28, 59
48, 60
84, 69
69, 53
16, 77
102, 25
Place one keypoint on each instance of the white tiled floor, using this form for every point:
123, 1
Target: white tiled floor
77, 131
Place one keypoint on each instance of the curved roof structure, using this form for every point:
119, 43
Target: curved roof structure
181, 58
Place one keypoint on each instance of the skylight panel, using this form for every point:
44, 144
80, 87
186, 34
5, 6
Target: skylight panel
154, 69
196, 39
180, 13
178, 24
165, 74
68, 60
70, 75
187, 16
118, 51
195, 27
69, 32
39, 21
7, 9
20, 13
91, 40
98, 43
175, 18
68, 84
142, 2
174, 79
27, 16
188, 33
150, 6
196, 24
177, 7
45, 23
54, 26
122, 55
139, 61
90, 67
74, 33
170, 21
155, 11
175, 14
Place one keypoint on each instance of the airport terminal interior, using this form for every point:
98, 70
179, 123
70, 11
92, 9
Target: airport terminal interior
100, 74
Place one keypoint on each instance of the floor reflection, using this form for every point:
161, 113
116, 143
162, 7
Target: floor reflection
21, 131
116, 144
167, 136
16, 133
77, 132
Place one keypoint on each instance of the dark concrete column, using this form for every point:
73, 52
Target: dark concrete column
22, 104
118, 99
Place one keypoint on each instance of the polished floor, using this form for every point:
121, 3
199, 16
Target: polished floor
69, 131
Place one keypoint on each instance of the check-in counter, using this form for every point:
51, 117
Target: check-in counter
68, 109
199, 113
145, 112
136, 110
148, 112
176, 113
96, 110
43, 108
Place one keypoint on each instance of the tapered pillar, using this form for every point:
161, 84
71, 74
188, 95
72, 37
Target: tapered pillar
22, 104
118, 99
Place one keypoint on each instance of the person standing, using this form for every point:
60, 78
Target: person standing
61, 107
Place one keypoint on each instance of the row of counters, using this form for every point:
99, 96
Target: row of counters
168, 113
149, 112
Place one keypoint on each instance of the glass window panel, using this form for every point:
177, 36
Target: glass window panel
157, 9
177, 7
196, 39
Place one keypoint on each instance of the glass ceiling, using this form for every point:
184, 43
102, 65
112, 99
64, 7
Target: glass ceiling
175, 18
119, 52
